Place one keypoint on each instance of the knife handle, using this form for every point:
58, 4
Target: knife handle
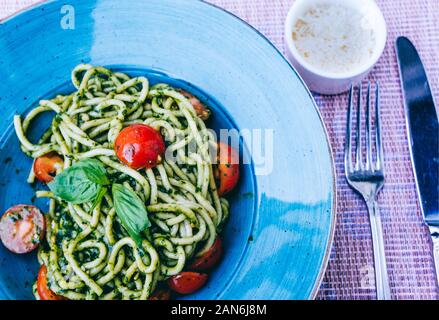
434, 231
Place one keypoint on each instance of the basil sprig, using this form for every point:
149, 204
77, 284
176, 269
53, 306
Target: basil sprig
131, 211
87, 181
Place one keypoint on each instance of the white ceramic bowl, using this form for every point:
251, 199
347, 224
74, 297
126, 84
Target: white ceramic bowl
319, 80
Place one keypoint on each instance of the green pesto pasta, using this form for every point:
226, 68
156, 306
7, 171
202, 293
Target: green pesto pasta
87, 252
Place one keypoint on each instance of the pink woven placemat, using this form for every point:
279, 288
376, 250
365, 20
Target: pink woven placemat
407, 242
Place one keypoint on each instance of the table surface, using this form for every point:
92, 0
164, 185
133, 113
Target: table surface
407, 242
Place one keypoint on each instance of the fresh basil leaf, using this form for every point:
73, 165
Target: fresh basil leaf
81, 182
73, 186
94, 170
131, 211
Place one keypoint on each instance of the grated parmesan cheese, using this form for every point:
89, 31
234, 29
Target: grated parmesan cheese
334, 37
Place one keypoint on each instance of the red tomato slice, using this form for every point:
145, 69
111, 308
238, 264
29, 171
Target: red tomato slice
43, 290
228, 168
139, 146
45, 167
210, 258
161, 294
187, 282
22, 228
201, 110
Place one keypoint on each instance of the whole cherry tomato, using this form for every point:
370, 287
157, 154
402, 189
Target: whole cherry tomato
139, 146
187, 282
45, 167
210, 258
161, 294
228, 168
43, 290
201, 110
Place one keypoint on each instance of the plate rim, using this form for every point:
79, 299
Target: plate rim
331, 236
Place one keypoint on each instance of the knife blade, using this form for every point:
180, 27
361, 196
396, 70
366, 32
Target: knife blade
423, 135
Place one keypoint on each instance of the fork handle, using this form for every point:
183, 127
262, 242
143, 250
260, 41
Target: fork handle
381, 276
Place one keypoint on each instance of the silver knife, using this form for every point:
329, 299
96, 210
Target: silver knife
423, 132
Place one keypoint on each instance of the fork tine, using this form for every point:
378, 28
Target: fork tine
358, 154
368, 131
379, 147
348, 145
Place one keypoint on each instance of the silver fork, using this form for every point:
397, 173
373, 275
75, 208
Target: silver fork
367, 178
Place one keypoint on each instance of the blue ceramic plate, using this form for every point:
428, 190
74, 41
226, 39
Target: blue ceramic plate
279, 236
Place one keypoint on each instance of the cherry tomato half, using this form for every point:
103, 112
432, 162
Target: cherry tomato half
201, 110
43, 290
187, 282
210, 258
228, 168
161, 294
139, 146
45, 167
22, 228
